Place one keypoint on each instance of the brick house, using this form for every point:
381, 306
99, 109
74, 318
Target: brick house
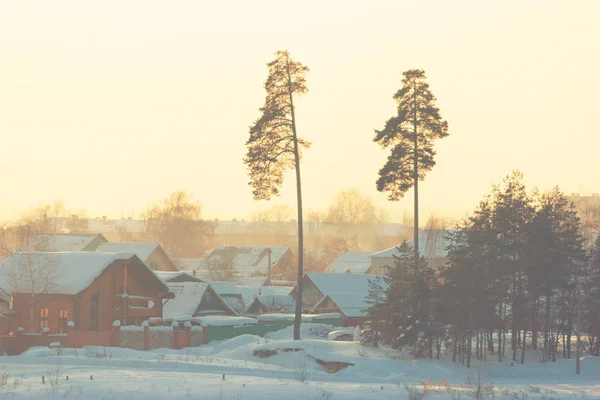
152, 254
89, 288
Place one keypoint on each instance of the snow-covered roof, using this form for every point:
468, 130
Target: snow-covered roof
357, 284
141, 249
180, 276
189, 264
224, 288
249, 293
254, 281
276, 302
432, 244
188, 296
71, 272
351, 304
247, 260
356, 262
59, 242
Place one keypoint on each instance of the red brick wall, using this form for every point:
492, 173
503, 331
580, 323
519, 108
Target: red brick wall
109, 285
54, 302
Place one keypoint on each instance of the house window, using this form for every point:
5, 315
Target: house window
207, 296
43, 318
63, 319
154, 265
95, 312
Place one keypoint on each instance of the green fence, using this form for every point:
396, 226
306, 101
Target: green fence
268, 323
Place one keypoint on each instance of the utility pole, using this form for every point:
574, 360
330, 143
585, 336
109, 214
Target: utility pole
269, 268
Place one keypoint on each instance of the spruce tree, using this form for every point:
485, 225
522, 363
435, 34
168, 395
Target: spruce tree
410, 134
274, 146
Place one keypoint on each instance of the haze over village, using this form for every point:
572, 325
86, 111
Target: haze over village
253, 200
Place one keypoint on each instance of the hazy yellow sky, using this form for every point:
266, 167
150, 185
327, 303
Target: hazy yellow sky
108, 105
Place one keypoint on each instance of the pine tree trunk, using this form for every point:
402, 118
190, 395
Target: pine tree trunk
504, 343
490, 341
569, 334
477, 346
430, 345
523, 346
515, 338
298, 314
485, 347
499, 345
454, 345
416, 177
534, 326
469, 350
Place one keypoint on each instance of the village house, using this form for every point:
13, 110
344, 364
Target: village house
273, 303
176, 276
91, 289
432, 246
352, 307
248, 261
62, 242
192, 301
152, 254
315, 286
356, 262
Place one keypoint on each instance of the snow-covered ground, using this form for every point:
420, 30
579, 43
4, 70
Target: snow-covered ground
233, 369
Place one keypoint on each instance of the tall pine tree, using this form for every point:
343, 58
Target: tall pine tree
274, 146
410, 134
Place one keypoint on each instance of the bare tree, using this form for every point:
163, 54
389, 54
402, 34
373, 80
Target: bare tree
435, 229
176, 223
32, 273
352, 207
336, 246
221, 269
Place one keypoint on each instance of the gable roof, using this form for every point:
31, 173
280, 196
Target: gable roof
72, 272
224, 288
249, 293
275, 302
357, 284
188, 296
356, 262
254, 281
60, 242
141, 249
247, 259
350, 304
176, 276
432, 244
